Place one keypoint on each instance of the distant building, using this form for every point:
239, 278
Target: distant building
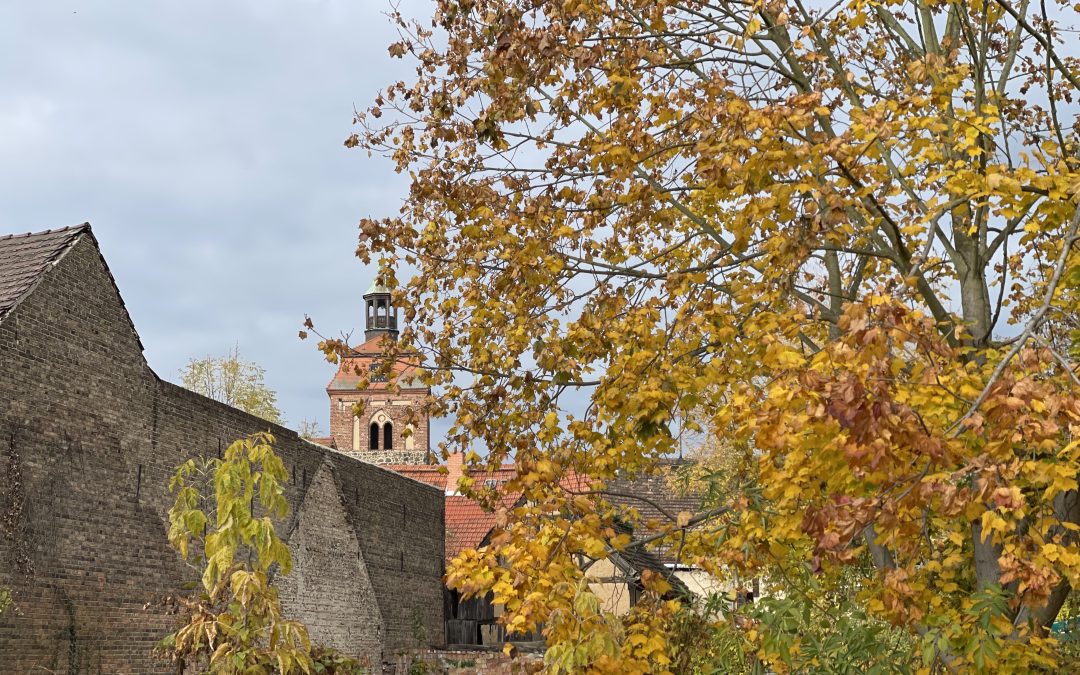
393, 427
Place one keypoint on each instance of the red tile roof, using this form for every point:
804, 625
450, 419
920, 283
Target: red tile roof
425, 473
468, 524
355, 367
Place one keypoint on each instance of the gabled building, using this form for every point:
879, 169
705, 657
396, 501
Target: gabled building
89, 436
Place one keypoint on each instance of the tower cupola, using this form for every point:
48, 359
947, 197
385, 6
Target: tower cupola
380, 314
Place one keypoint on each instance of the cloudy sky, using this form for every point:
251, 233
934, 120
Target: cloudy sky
203, 141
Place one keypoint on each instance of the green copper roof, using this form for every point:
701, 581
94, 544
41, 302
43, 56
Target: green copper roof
376, 287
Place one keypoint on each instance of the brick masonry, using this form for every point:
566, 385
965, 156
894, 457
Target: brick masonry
401, 408
88, 438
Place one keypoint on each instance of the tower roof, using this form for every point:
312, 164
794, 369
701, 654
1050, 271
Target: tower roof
346, 379
376, 289
380, 316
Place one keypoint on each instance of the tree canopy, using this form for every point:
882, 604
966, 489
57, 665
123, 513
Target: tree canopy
233, 381
845, 230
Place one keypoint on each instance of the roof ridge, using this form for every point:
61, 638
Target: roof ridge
73, 229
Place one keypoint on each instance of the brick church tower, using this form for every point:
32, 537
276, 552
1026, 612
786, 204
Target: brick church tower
393, 427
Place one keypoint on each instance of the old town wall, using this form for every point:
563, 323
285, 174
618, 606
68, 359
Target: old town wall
88, 438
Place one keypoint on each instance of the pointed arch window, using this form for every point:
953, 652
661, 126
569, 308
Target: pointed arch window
373, 436
388, 436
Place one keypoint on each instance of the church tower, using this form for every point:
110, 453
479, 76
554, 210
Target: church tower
393, 427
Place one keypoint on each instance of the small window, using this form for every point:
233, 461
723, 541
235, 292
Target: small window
373, 372
373, 439
388, 436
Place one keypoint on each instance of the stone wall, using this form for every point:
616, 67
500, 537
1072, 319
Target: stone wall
88, 438
394, 457
466, 662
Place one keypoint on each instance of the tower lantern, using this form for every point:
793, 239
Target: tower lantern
380, 314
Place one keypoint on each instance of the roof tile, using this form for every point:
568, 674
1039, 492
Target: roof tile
24, 258
468, 524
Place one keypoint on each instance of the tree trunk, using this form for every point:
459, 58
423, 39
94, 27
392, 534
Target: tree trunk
976, 312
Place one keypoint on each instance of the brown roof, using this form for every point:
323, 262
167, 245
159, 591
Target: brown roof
354, 368
638, 559
24, 258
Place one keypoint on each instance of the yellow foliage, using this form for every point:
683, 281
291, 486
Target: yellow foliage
800, 234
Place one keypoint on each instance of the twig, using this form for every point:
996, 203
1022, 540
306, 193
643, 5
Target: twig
1069, 367
700, 518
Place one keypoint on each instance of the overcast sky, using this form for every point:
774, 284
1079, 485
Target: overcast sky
203, 141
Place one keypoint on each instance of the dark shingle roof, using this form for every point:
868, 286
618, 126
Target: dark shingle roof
655, 498
639, 560
24, 258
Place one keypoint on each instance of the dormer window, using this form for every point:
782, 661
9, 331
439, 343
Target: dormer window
374, 375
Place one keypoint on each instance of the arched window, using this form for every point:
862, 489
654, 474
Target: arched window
388, 436
373, 438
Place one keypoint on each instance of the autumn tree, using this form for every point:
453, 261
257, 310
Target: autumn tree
842, 228
233, 381
309, 429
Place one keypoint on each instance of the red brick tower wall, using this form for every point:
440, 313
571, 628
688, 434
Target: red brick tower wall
401, 408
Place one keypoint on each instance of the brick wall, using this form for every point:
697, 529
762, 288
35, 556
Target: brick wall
88, 438
402, 408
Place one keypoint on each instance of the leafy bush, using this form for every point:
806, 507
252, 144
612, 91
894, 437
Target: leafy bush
5, 599
804, 630
235, 622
